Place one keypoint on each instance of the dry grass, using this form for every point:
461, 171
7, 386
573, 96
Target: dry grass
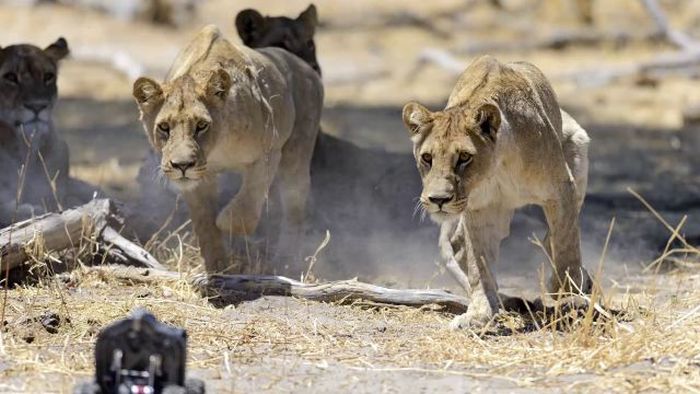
47, 330
653, 344
656, 348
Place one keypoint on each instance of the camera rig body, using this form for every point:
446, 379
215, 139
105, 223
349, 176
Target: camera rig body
140, 355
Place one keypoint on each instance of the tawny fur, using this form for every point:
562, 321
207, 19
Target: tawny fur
261, 110
501, 142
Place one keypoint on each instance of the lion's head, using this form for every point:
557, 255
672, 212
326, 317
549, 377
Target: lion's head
293, 35
183, 119
28, 85
455, 152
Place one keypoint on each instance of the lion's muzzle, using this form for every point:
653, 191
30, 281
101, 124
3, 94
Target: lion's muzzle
183, 166
440, 199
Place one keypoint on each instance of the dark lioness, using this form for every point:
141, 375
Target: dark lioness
294, 35
501, 142
33, 157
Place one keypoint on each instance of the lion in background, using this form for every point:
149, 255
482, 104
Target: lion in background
501, 142
33, 156
229, 108
157, 204
294, 35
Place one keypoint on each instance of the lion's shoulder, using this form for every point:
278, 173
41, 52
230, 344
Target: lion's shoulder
520, 90
208, 50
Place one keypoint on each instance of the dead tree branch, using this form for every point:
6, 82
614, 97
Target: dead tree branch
689, 56
230, 289
674, 62
236, 288
675, 37
59, 231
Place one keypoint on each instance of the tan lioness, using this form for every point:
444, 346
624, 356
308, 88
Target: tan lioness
499, 144
296, 35
226, 107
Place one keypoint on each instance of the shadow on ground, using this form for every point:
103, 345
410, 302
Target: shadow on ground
365, 187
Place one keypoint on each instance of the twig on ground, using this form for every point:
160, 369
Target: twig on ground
314, 258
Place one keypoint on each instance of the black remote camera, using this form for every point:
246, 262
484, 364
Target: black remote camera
140, 355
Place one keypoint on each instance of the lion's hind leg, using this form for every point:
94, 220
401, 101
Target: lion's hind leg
575, 149
564, 243
294, 180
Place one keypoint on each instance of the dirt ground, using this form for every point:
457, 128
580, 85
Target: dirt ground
370, 53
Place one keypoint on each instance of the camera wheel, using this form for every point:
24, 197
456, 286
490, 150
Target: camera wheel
87, 388
195, 386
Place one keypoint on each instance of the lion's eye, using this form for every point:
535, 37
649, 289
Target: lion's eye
201, 127
164, 129
463, 159
11, 77
427, 159
49, 77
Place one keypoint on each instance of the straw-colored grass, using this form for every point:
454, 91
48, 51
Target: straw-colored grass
652, 345
657, 349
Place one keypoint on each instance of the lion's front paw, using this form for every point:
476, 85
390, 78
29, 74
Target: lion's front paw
236, 220
473, 320
480, 312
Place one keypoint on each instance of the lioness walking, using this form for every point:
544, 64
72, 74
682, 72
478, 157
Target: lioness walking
501, 142
225, 107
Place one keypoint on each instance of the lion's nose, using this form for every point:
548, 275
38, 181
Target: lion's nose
36, 107
440, 200
183, 166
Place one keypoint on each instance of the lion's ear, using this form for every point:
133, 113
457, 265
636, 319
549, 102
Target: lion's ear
309, 17
147, 93
249, 23
489, 120
219, 84
58, 50
415, 116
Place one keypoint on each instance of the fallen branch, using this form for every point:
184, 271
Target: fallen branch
664, 64
689, 56
675, 37
232, 289
236, 288
674, 62
60, 231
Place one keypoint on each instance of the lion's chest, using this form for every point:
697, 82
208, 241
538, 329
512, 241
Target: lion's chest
510, 186
234, 152
504, 190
